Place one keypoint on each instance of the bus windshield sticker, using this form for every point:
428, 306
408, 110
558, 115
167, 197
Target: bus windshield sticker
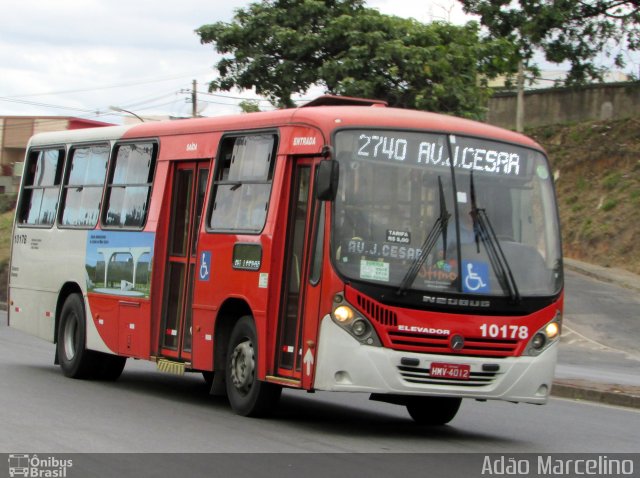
263, 280
398, 237
475, 277
119, 263
247, 257
542, 171
374, 270
439, 275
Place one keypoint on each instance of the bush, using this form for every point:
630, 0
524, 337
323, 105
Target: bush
7, 202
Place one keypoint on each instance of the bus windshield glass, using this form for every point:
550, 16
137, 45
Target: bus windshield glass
409, 217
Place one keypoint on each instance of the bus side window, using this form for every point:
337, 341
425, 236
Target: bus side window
83, 185
41, 187
242, 183
129, 186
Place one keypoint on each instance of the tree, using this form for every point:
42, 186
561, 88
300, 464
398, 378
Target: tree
436, 67
249, 106
282, 47
577, 31
274, 46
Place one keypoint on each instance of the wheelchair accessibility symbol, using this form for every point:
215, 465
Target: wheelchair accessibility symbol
205, 265
475, 277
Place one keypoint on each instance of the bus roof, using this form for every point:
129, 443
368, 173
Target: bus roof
326, 118
104, 133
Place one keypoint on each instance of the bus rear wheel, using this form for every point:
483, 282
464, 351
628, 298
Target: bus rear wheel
433, 411
248, 396
75, 360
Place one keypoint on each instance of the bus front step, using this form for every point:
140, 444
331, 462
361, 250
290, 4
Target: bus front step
168, 366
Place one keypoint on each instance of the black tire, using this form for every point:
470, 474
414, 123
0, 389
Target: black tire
433, 411
108, 367
75, 360
208, 378
248, 396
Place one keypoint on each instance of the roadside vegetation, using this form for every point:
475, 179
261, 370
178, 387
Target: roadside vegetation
597, 169
6, 223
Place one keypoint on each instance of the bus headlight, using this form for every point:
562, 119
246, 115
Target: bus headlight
538, 341
544, 337
343, 314
353, 322
359, 327
552, 330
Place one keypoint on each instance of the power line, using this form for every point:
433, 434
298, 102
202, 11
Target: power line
46, 105
135, 104
105, 87
229, 97
93, 112
156, 105
242, 98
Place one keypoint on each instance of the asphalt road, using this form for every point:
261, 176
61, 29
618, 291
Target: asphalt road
146, 411
602, 312
601, 333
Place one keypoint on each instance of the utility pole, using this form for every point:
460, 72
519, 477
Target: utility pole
194, 99
520, 99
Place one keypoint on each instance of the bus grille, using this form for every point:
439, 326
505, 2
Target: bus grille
477, 347
422, 376
380, 314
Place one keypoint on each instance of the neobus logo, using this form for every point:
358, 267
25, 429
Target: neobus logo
457, 302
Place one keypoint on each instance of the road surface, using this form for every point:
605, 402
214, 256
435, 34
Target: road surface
147, 411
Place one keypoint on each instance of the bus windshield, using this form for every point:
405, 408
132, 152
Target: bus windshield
407, 216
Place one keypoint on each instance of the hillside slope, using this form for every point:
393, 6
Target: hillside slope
597, 170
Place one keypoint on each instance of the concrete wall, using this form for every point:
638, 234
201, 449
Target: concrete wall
563, 105
44, 125
17, 132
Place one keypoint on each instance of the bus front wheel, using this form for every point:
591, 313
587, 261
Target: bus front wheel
109, 367
433, 411
248, 396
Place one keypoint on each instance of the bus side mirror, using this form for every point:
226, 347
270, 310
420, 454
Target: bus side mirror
327, 176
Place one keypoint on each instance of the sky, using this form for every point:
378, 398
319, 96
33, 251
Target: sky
84, 58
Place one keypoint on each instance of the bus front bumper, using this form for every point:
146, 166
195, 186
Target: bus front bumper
344, 364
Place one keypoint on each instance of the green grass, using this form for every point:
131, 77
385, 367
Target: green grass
609, 204
6, 223
581, 184
611, 180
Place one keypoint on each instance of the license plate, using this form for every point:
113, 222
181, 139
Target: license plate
450, 370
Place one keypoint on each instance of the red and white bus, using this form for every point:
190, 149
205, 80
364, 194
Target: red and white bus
341, 246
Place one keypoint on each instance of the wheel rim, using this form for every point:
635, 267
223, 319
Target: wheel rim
243, 366
70, 337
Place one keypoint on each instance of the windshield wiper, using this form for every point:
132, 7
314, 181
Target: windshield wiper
483, 231
439, 227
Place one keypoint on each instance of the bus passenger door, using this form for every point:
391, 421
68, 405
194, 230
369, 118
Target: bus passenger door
188, 191
298, 319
